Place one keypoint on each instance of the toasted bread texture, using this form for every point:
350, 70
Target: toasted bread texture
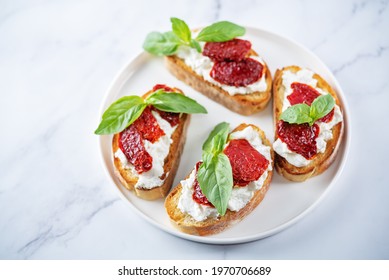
244, 104
185, 223
171, 163
321, 161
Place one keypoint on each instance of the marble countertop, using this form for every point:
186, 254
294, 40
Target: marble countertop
58, 59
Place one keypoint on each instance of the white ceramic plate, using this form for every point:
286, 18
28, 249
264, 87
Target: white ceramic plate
286, 202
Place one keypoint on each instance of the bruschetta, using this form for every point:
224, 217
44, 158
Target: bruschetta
306, 142
216, 63
146, 153
251, 158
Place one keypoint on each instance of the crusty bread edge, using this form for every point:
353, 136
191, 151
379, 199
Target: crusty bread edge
171, 163
187, 224
244, 104
323, 160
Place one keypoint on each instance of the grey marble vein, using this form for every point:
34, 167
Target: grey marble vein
53, 232
362, 56
217, 10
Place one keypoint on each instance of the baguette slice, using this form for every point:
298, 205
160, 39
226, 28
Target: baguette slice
171, 163
321, 161
244, 104
185, 223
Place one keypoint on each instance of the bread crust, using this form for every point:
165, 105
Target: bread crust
171, 163
244, 104
321, 161
187, 224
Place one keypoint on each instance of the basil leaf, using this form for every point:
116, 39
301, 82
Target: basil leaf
220, 32
302, 113
171, 37
299, 113
161, 43
217, 139
216, 182
321, 106
175, 103
181, 29
196, 45
121, 114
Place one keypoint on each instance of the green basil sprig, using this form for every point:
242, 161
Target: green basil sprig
167, 43
161, 43
220, 32
215, 173
303, 113
124, 111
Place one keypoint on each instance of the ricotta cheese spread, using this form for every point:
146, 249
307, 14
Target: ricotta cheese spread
157, 150
240, 196
305, 76
202, 65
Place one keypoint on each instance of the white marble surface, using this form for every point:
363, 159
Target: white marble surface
57, 61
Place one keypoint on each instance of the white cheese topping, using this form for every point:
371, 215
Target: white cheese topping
240, 196
187, 205
157, 150
305, 76
202, 65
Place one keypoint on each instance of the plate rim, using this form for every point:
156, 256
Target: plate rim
253, 237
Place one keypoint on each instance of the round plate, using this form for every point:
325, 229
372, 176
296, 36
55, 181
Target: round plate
286, 202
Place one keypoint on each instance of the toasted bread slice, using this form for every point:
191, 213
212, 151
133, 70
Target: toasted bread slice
171, 162
185, 223
244, 104
321, 161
